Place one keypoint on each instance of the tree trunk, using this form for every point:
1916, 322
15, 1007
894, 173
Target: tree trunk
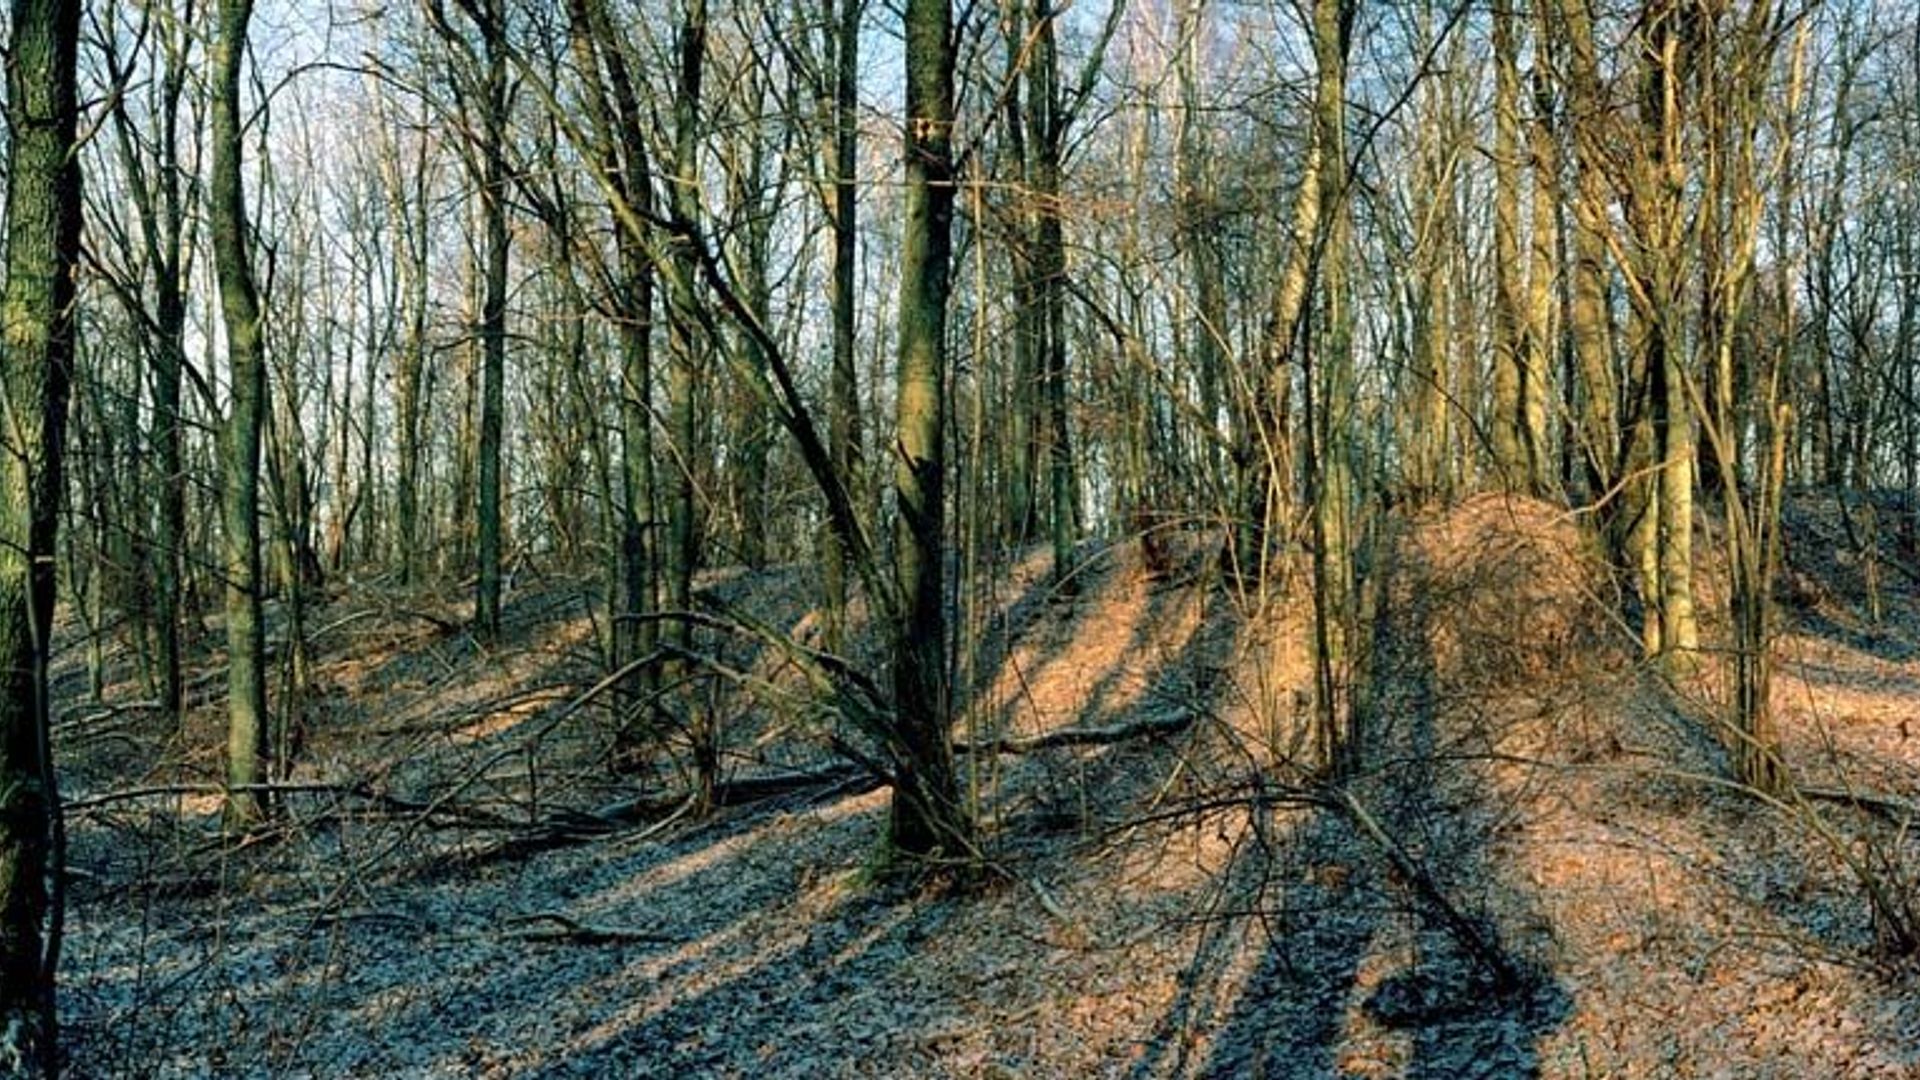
1201, 242
43, 245
613, 108
1331, 390
409, 209
1516, 453
843, 397
247, 750
493, 327
1666, 357
1046, 138
928, 817
686, 347
157, 201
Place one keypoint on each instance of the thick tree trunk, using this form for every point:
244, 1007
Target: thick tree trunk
928, 817
43, 244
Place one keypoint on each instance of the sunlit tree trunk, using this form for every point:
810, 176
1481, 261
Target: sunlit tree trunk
1661, 239
1518, 418
1543, 272
1330, 404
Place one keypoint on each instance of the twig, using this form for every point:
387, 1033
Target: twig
557, 928
1884, 806
1507, 978
1079, 736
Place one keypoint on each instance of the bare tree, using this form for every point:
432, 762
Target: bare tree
247, 742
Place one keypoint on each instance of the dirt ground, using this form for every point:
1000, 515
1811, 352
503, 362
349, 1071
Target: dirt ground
1540, 872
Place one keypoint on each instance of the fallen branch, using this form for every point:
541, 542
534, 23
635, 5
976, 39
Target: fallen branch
555, 928
465, 814
82, 725
1883, 806
847, 779
1478, 942
1079, 736
445, 626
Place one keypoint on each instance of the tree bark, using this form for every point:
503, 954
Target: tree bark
1331, 390
614, 111
1046, 122
928, 817
493, 326
158, 203
843, 398
247, 749
43, 245
686, 346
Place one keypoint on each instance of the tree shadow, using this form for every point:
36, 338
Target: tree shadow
1359, 966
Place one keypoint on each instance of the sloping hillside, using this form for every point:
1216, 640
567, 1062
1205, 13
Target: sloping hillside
461, 887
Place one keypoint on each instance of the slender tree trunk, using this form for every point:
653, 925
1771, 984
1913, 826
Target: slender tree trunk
157, 201
43, 245
1590, 329
749, 429
1264, 452
682, 555
1543, 271
1330, 382
1046, 139
843, 399
1437, 230
613, 108
1514, 455
1666, 359
247, 750
407, 196
493, 326
1024, 440
1200, 237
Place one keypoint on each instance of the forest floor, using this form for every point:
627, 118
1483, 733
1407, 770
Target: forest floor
462, 888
